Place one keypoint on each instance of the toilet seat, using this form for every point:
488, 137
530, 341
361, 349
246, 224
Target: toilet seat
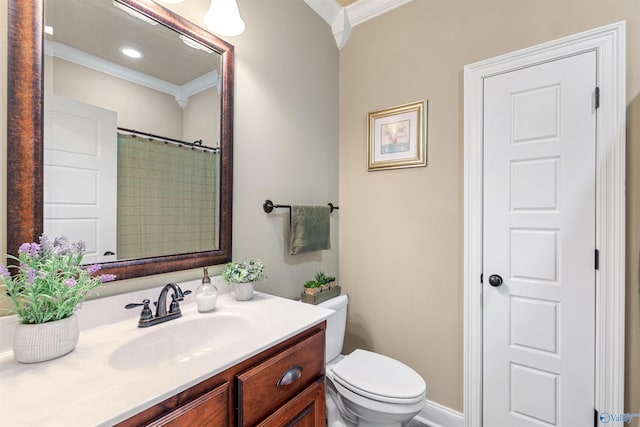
379, 378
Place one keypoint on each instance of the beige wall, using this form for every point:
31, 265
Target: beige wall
285, 141
138, 107
199, 118
401, 231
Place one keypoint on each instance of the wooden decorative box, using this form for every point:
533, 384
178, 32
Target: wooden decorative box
321, 296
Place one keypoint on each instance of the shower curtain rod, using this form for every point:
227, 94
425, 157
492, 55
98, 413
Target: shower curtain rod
195, 144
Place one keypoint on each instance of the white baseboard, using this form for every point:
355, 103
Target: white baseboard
436, 415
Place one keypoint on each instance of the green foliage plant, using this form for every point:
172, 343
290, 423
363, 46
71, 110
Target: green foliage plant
311, 284
49, 280
247, 270
321, 278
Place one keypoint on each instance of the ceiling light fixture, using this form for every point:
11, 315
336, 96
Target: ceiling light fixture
223, 18
131, 52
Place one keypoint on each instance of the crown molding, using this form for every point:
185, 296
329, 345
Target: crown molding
180, 93
343, 19
364, 10
327, 9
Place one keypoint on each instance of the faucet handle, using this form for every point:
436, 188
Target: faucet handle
174, 307
146, 313
178, 292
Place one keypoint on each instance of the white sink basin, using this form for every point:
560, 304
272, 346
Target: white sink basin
179, 342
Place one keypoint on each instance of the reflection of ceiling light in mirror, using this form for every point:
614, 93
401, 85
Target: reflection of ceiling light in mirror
48, 29
131, 52
224, 18
194, 44
134, 13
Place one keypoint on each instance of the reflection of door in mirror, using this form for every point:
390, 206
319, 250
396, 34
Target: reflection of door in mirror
80, 149
172, 90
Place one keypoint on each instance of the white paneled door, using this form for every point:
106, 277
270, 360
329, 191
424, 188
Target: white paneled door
539, 245
80, 175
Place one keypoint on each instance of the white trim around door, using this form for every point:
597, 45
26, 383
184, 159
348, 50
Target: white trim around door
609, 44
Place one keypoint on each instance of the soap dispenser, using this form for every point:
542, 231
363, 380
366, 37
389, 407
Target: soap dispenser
206, 294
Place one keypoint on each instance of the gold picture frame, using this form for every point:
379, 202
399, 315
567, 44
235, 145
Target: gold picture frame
397, 137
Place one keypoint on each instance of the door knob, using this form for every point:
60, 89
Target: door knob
495, 280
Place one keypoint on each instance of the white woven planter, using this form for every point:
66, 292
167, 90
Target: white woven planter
34, 343
243, 291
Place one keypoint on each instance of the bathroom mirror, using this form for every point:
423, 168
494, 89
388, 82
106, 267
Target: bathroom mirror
30, 83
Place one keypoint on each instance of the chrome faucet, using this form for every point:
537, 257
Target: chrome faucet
146, 316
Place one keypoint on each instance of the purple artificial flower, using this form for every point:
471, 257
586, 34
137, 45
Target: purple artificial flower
62, 246
29, 248
92, 269
78, 246
46, 247
31, 276
24, 248
4, 272
70, 282
107, 278
44, 241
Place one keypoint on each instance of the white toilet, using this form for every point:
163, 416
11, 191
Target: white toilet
366, 388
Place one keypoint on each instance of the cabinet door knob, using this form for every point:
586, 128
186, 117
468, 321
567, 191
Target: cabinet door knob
290, 376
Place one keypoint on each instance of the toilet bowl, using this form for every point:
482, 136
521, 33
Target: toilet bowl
366, 388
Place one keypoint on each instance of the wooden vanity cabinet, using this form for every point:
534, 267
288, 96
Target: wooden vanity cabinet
307, 409
210, 409
281, 386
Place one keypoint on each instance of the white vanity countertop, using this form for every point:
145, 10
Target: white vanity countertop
82, 388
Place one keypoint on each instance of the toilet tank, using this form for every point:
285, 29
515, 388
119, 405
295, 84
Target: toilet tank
336, 325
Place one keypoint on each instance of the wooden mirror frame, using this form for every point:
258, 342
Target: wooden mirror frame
25, 89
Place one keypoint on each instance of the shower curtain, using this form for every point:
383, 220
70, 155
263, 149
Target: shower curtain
167, 198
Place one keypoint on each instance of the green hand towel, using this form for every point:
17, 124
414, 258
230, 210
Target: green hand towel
309, 229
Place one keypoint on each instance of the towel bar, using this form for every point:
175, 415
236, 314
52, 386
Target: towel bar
269, 206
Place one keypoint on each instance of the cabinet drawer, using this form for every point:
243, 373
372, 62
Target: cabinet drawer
305, 410
272, 382
207, 410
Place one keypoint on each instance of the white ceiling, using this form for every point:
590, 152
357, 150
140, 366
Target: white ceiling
98, 28
343, 19
91, 33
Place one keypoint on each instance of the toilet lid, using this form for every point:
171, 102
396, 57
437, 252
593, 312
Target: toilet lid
379, 377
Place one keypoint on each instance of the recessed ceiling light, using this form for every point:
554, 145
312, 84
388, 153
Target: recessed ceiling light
131, 52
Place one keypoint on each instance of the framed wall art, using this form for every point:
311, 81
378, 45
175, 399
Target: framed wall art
397, 137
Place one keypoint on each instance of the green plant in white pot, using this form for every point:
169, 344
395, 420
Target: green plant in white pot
47, 287
243, 274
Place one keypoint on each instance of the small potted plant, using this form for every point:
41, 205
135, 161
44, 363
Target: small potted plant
320, 289
311, 287
243, 274
48, 284
325, 282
